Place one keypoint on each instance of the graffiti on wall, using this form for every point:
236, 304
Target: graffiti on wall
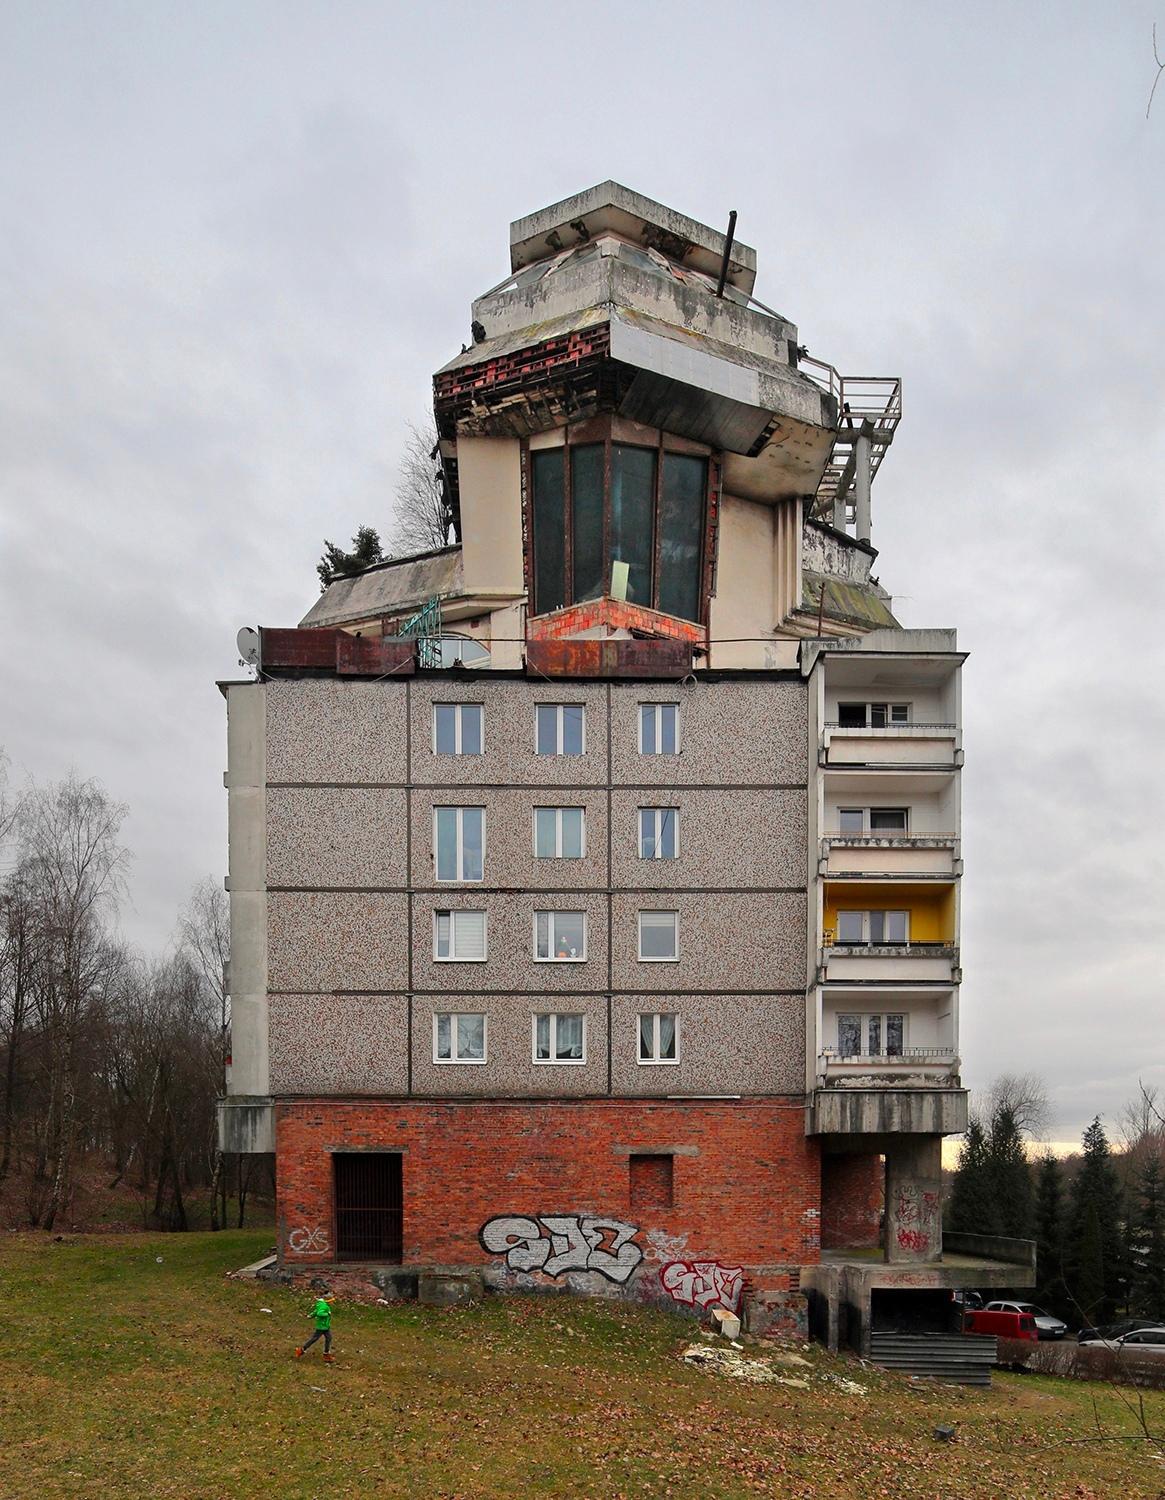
917, 1216
557, 1243
703, 1283
303, 1241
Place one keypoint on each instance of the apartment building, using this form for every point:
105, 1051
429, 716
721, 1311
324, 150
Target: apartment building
595, 878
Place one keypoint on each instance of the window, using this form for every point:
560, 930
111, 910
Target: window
659, 1038
458, 1038
659, 829
560, 936
659, 936
659, 729
560, 1039
877, 927
881, 1035
651, 1181
880, 715
559, 832
459, 936
618, 519
457, 728
560, 729
851, 820
451, 649
459, 842
877, 820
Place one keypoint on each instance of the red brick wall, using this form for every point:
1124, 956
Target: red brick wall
853, 1189
750, 1197
613, 613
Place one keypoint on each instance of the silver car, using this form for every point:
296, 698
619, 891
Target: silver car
1047, 1326
1140, 1341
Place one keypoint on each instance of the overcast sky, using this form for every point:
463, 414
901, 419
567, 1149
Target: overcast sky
236, 241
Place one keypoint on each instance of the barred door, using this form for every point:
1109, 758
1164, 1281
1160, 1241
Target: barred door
369, 1206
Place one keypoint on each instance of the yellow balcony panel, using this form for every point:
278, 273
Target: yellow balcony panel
930, 912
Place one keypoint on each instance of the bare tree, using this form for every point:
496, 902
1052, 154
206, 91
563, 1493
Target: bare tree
204, 935
423, 516
1025, 1097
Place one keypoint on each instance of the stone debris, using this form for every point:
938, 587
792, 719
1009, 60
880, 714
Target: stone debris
735, 1366
850, 1387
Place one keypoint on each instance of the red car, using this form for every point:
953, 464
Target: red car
1005, 1325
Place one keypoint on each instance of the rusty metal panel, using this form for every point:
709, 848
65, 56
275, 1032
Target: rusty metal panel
297, 648
365, 656
590, 658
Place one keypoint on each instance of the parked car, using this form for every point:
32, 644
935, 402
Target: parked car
967, 1301
1005, 1325
1106, 1331
1140, 1341
1047, 1326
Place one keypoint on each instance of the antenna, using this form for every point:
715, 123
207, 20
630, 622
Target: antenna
247, 641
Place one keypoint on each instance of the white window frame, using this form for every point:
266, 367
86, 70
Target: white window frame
454, 957
573, 911
558, 812
552, 1061
643, 749
558, 707
454, 1017
457, 733
866, 1017
657, 912
867, 828
657, 836
656, 1061
460, 878
865, 915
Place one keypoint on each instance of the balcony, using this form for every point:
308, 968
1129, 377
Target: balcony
920, 1067
893, 745
889, 854
887, 962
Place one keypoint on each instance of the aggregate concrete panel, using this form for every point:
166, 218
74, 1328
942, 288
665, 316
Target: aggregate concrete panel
510, 1069
750, 1044
331, 940
731, 733
334, 731
509, 838
737, 838
336, 836
339, 1044
510, 964
509, 756
727, 941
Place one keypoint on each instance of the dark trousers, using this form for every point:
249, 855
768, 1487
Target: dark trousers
320, 1333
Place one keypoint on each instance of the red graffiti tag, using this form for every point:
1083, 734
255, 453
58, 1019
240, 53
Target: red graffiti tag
703, 1283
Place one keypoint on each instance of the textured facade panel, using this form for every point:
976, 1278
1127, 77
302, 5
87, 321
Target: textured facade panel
332, 731
737, 838
509, 1068
326, 941
509, 756
336, 836
751, 1044
726, 942
734, 733
339, 1044
509, 837
510, 939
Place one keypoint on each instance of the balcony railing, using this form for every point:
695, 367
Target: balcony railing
889, 1059
889, 836
901, 730
829, 939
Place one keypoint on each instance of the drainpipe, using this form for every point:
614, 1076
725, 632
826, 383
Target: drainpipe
862, 485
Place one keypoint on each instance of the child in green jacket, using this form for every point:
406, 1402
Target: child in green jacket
322, 1313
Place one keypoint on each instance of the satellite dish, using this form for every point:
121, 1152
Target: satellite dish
248, 644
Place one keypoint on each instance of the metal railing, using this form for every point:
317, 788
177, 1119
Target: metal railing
946, 1055
830, 940
888, 728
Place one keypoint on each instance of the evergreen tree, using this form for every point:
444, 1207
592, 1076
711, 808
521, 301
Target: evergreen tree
972, 1208
336, 563
1096, 1237
1051, 1291
1009, 1176
1147, 1240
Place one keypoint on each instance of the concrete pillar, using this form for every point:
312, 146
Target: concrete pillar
839, 511
862, 486
914, 1225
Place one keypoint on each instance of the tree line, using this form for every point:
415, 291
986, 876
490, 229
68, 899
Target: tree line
1098, 1220
110, 1061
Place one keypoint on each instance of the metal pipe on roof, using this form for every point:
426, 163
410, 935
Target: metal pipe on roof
728, 238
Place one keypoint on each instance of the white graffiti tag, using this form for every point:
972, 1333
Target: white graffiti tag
301, 1241
574, 1244
703, 1283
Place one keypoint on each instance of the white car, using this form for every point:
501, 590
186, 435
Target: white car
1140, 1341
1047, 1326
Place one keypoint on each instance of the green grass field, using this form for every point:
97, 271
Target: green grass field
123, 1375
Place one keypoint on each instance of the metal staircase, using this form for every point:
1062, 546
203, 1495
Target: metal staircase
870, 406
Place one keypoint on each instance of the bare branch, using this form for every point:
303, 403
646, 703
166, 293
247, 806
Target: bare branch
1160, 70
423, 518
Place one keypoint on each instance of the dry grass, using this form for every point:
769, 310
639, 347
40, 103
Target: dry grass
122, 1376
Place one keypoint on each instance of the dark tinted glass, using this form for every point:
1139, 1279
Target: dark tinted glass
632, 515
685, 480
586, 498
548, 474
851, 715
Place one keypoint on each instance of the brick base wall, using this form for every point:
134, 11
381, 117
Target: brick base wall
745, 1180
853, 1190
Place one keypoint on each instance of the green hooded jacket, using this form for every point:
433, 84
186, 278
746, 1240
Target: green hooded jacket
323, 1314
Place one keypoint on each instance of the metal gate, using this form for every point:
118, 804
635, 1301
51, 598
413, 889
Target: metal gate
369, 1206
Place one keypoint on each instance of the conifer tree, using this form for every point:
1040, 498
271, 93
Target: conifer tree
1147, 1240
1009, 1176
972, 1208
1051, 1291
336, 563
1096, 1238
